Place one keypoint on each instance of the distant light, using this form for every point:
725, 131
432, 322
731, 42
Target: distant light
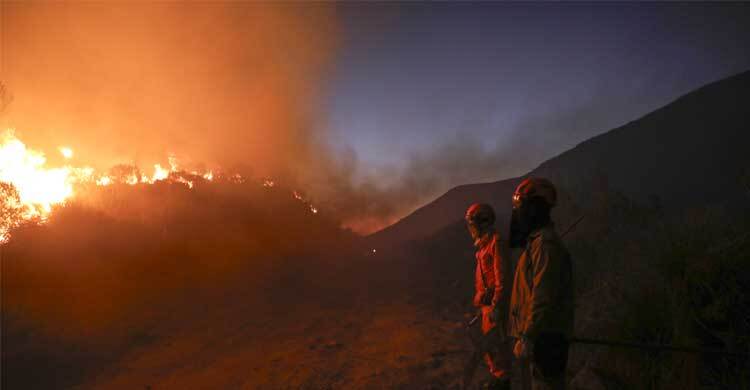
66, 152
374, 251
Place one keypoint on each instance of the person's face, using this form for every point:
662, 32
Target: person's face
519, 222
528, 214
473, 230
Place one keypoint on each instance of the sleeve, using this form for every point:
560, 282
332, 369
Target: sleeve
547, 267
497, 268
478, 288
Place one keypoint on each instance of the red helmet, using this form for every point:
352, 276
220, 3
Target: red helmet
480, 214
535, 187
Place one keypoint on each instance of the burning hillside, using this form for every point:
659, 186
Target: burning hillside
94, 260
32, 189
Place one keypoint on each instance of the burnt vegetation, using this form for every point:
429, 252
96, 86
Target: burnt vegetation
126, 265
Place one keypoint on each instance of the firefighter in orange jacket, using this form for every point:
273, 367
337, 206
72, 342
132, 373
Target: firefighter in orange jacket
492, 286
541, 306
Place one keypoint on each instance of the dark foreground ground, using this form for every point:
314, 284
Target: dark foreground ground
226, 297
369, 330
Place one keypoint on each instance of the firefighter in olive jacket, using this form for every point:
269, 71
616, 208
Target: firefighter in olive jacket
541, 306
492, 291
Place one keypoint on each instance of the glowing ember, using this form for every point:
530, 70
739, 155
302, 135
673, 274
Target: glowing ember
104, 181
300, 198
237, 178
66, 152
182, 180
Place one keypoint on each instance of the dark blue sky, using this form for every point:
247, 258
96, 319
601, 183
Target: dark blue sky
472, 92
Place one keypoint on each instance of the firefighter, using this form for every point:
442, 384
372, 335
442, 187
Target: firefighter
492, 280
541, 305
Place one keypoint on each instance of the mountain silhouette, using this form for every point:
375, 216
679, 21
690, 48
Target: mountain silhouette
691, 152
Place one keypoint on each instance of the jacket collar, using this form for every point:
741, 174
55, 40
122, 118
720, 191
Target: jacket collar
485, 238
538, 231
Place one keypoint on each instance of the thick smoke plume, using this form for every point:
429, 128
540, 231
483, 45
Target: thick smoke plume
234, 85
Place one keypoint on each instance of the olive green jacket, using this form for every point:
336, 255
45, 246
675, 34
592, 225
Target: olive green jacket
542, 296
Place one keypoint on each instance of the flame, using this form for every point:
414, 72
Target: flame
104, 181
187, 182
66, 152
174, 173
159, 173
40, 188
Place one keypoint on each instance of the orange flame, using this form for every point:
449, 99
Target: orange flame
41, 188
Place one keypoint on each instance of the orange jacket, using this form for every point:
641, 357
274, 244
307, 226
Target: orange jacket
492, 275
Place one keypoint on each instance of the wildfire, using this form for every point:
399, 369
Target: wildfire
39, 188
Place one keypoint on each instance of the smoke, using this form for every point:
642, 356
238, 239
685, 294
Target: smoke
236, 86
229, 84
384, 194
239, 86
379, 196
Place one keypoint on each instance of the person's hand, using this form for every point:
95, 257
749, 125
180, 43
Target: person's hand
494, 315
478, 299
523, 348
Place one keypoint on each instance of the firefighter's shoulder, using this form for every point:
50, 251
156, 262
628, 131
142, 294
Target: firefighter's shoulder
550, 240
545, 234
